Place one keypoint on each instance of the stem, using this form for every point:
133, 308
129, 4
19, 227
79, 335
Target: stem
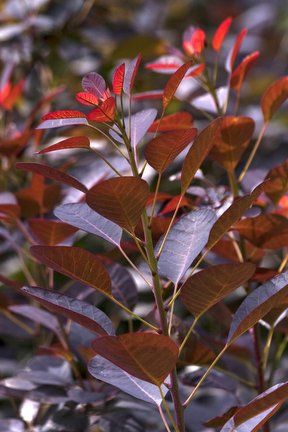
109, 139
155, 197
106, 161
169, 227
134, 267
163, 419
167, 409
186, 403
126, 309
189, 333
266, 349
283, 264
253, 152
233, 183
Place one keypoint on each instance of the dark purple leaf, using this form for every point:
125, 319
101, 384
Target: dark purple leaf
37, 315
123, 285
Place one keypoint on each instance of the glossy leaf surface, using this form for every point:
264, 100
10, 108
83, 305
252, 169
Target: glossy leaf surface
257, 304
78, 311
274, 97
83, 217
162, 150
106, 371
76, 263
209, 286
185, 241
120, 200
148, 356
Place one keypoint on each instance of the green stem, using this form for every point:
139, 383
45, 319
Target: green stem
99, 154
233, 183
253, 152
189, 333
126, 309
265, 353
167, 409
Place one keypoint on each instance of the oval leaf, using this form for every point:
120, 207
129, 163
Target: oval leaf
83, 217
118, 79
185, 241
173, 83
162, 150
148, 356
52, 173
106, 371
231, 140
221, 33
209, 286
278, 182
76, 310
274, 97
94, 83
171, 122
120, 199
104, 113
257, 304
198, 152
50, 232
123, 286
63, 115
76, 263
87, 98
167, 64
239, 74
69, 143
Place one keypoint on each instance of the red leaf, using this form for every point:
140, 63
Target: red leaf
63, 115
165, 64
239, 74
50, 232
152, 94
174, 82
86, 98
180, 120
235, 50
130, 74
118, 79
69, 143
104, 113
221, 33
277, 185
193, 41
195, 71
274, 97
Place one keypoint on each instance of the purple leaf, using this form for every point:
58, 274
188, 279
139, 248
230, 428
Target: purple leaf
207, 103
130, 73
83, 217
81, 312
187, 238
123, 285
106, 371
49, 124
94, 83
37, 315
167, 64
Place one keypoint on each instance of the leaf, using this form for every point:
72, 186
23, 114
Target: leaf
235, 50
87, 98
150, 95
185, 241
52, 173
139, 123
166, 64
254, 414
50, 232
76, 263
120, 199
76, 310
207, 103
105, 112
162, 150
83, 217
94, 83
123, 286
193, 41
69, 143
130, 74
232, 139
239, 74
232, 215
267, 231
257, 304
118, 79
278, 182
198, 152
174, 82
38, 316
106, 371
272, 99
148, 356
209, 286
171, 122
221, 33
62, 118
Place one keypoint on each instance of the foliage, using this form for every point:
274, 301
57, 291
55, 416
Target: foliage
146, 281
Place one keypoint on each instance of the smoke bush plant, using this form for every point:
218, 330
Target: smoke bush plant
200, 253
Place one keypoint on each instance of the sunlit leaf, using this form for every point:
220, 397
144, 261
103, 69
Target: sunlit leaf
106, 371
78, 311
207, 102
94, 83
63, 115
235, 50
267, 231
118, 79
174, 82
87, 98
162, 150
130, 74
239, 74
52, 173
278, 182
221, 33
148, 356
62, 118
272, 99
193, 41
148, 95
76, 263
69, 143
257, 304
167, 64
185, 241
120, 199
83, 217
198, 152
50, 232
232, 139
179, 120
209, 286
105, 112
